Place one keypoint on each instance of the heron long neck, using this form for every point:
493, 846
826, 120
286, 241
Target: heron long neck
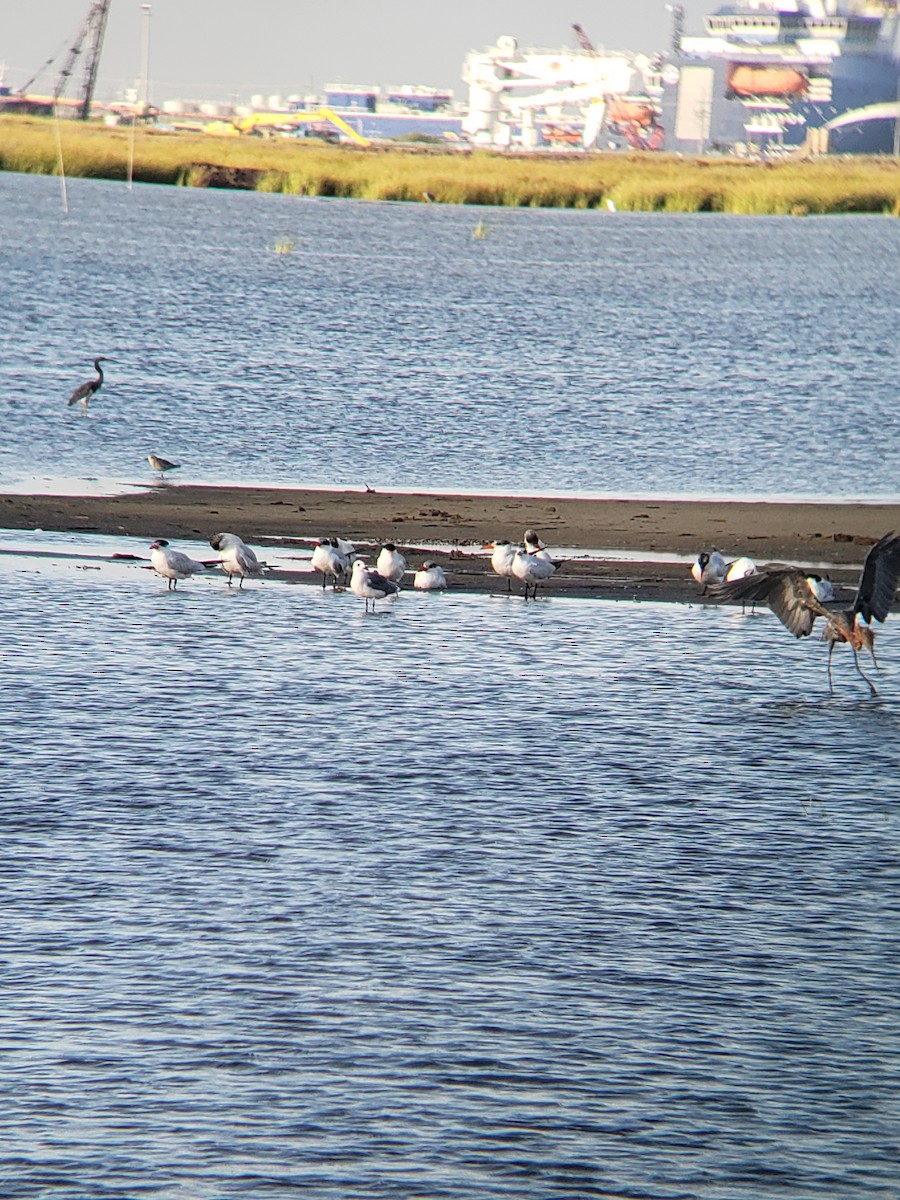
98, 369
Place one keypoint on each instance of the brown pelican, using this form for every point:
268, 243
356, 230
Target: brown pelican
792, 598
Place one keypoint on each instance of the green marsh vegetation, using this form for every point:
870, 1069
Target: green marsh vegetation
627, 182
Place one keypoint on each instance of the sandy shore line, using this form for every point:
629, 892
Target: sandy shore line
837, 534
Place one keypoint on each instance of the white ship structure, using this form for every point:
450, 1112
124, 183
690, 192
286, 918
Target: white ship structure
529, 98
769, 75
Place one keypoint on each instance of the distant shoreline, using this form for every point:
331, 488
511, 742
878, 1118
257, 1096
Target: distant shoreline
581, 529
416, 173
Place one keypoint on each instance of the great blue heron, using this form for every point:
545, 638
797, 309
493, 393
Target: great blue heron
792, 598
84, 391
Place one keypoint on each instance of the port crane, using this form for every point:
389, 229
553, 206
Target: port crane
89, 39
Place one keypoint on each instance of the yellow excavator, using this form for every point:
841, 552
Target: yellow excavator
266, 123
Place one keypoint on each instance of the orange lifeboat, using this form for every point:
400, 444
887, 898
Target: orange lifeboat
766, 81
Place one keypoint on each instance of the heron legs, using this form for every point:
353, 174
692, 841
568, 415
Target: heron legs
830, 684
862, 672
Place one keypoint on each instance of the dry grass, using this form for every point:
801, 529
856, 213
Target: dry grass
633, 182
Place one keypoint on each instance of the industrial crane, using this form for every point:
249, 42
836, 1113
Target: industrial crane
91, 35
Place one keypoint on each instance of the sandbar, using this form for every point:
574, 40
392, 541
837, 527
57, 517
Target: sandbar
658, 537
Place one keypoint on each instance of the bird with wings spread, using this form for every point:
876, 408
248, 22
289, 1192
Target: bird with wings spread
791, 597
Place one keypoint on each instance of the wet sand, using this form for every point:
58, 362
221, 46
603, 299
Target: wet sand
834, 534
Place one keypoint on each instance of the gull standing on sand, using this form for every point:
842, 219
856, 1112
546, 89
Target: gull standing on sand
330, 560
84, 391
502, 560
370, 585
533, 569
237, 557
161, 465
390, 563
172, 564
430, 577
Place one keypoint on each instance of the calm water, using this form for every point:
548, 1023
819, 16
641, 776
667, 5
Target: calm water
467, 899
571, 351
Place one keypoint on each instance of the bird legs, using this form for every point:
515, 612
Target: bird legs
872, 687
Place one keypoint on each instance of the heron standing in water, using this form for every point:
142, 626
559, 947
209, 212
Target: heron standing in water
792, 598
84, 391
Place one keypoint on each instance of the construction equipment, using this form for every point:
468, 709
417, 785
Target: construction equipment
91, 32
273, 122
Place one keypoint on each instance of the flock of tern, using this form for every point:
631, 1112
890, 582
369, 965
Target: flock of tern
797, 598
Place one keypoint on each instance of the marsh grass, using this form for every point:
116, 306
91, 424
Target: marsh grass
617, 182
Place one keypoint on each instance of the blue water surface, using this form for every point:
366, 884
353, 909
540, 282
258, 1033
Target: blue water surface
572, 351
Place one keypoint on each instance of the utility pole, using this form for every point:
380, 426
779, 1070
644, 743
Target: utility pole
145, 58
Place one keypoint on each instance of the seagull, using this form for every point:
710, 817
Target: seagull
237, 557
788, 593
430, 578
533, 569
161, 465
84, 391
369, 585
330, 559
390, 563
502, 560
172, 564
709, 568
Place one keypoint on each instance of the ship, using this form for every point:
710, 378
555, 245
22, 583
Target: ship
771, 76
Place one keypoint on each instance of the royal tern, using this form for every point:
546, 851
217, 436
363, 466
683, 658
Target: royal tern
532, 542
533, 569
709, 568
788, 593
172, 564
739, 569
430, 577
822, 589
237, 557
502, 557
329, 559
390, 563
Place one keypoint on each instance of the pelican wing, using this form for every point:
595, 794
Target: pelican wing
878, 582
784, 589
